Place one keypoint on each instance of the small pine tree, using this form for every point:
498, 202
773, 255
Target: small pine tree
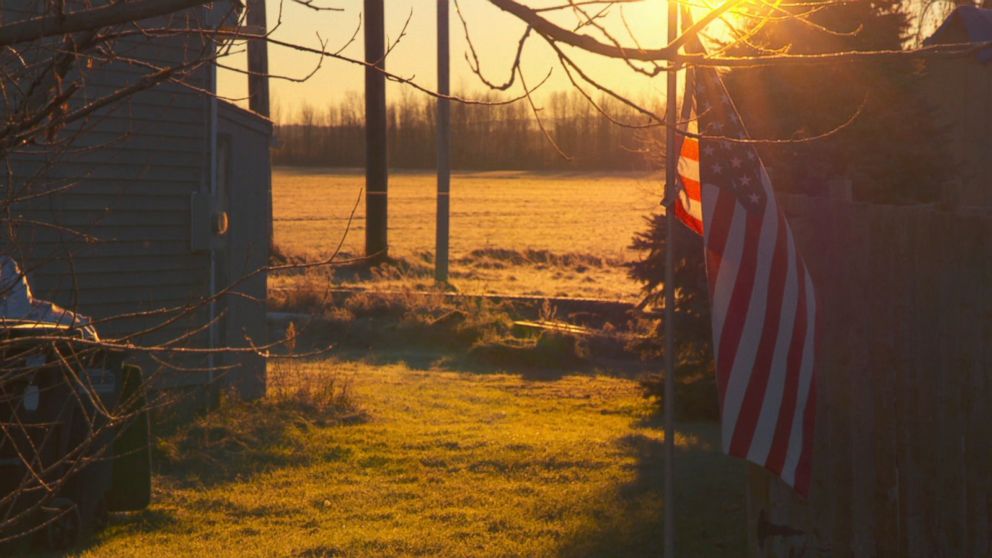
692, 302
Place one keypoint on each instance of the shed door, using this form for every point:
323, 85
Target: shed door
243, 179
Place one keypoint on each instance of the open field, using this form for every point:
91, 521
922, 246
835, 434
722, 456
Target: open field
451, 463
551, 234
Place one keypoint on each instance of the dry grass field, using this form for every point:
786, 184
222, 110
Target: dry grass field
551, 234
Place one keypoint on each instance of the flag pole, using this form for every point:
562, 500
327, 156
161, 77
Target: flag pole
671, 161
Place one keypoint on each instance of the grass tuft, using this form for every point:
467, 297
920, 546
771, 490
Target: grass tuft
241, 439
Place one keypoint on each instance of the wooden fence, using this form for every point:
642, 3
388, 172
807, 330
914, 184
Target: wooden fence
903, 462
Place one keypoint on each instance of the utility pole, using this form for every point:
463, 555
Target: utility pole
671, 162
443, 145
258, 59
376, 177
258, 81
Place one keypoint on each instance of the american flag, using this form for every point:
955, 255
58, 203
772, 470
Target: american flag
763, 304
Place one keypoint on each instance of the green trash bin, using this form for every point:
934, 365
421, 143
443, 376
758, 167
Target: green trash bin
131, 484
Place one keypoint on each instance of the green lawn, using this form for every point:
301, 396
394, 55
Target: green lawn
453, 463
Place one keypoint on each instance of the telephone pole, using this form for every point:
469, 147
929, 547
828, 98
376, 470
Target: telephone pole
376, 177
443, 145
258, 59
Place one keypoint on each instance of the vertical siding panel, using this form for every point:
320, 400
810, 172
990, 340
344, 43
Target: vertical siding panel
980, 420
888, 243
946, 332
905, 413
861, 332
837, 327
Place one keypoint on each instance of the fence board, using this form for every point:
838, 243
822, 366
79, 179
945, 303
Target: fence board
904, 433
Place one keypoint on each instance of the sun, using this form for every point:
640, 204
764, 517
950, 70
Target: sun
733, 28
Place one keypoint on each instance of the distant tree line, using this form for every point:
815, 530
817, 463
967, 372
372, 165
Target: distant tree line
484, 137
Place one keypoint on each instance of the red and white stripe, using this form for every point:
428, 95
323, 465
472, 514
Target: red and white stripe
689, 206
763, 316
763, 307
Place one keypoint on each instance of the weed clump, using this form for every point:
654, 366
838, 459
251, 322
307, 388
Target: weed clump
412, 316
407, 318
242, 438
501, 258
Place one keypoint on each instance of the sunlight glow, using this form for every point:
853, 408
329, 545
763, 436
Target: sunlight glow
735, 28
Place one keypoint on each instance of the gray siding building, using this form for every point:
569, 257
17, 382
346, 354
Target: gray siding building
150, 206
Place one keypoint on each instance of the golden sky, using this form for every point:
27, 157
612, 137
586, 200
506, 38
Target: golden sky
494, 33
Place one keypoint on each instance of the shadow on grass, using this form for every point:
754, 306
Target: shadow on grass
543, 359
145, 521
709, 495
242, 439
547, 359
488, 360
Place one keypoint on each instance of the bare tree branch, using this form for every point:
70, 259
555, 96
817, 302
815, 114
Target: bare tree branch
90, 18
